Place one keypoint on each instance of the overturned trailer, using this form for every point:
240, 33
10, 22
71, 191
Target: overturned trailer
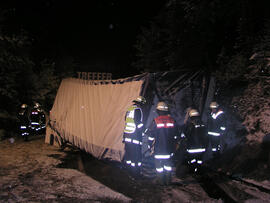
90, 114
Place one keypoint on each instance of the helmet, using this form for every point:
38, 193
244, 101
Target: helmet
140, 99
193, 112
213, 105
36, 105
162, 106
23, 106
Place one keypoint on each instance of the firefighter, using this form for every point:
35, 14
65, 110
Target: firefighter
161, 139
35, 118
42, 117
216, 127
24, 121
194, 132
132, 136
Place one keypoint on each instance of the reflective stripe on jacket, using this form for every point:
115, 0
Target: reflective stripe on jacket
163, 133
164, 122
217, 124
130, 126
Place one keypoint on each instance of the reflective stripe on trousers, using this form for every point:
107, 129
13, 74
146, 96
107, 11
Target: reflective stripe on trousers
132, 141
214, 134
198, 150
162, 156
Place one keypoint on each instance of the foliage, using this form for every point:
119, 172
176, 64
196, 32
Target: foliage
230, 68
26, 78
150, 49
15, 71
22, 80
230, 40
253, 103
46, 85
188, 35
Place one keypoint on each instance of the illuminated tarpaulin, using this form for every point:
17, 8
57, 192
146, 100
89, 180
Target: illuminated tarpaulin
90, 114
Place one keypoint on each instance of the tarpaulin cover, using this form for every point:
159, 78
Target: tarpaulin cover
91, 116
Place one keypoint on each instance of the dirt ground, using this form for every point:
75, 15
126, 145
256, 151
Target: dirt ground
37, 172
29, 172
246, 161
33, 171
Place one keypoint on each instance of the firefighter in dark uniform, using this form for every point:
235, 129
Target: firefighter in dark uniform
42, 118
35, 118
194, 132
162, 141
216, 126
132, 136
24, 121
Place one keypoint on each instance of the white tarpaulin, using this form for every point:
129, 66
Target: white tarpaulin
91, 116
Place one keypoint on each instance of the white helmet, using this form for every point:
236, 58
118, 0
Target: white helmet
23, 106
193, 113
162, 106
36, 105
140, 99
213, 105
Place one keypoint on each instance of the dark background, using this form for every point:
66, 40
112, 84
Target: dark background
97, 35
44, 41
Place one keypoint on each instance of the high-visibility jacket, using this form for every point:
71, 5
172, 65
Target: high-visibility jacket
163, 132
134, 125
131, 125
217, 123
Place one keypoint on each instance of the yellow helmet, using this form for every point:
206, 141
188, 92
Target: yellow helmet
213, 105
36, 105
162, 106
23, 106
140, 99
193, 112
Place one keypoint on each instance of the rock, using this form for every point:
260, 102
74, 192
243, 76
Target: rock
11, 140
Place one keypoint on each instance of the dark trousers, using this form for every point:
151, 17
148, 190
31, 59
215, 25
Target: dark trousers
195, 158
24, 130
163, 170
215, 142
133, 154
163, 163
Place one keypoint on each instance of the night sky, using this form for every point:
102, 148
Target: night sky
94, 33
